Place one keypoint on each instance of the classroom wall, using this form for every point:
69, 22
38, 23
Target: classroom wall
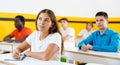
74, 8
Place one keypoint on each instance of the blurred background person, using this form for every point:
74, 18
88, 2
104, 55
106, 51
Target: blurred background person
85, 32
20, 33
67, 33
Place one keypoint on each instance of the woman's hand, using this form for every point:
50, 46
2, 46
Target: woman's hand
27, 53
16, 54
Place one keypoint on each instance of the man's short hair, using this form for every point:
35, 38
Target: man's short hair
102, 13
21, 18
63, 19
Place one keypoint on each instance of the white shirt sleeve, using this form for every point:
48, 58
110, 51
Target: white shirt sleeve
56, 39
30, 38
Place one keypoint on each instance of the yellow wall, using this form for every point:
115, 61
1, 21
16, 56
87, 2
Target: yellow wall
8, 26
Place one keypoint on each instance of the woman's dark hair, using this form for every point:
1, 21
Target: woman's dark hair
22, 19
54, 27
50, 13
89, 23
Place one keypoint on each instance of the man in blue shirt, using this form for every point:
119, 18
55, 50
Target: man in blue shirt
103, 39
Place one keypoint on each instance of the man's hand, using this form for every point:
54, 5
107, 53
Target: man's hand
89, 47
84, 48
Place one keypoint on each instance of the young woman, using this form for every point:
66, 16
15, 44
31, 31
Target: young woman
45, 42
86, 32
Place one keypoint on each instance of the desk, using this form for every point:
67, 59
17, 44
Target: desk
31, 61
7, 46
106, 58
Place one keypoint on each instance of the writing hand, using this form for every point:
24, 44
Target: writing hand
16, 54
84, 48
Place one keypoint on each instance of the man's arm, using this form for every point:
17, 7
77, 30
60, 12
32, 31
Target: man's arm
21, 40
88, 40
112, 47
8, 38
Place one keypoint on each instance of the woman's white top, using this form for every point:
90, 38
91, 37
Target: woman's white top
38, 45
85, 33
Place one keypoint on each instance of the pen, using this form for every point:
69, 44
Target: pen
23, 57
16, 51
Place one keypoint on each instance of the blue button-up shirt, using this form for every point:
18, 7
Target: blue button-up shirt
109, 41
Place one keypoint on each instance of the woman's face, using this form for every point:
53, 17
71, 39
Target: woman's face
89, 27
44, 22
